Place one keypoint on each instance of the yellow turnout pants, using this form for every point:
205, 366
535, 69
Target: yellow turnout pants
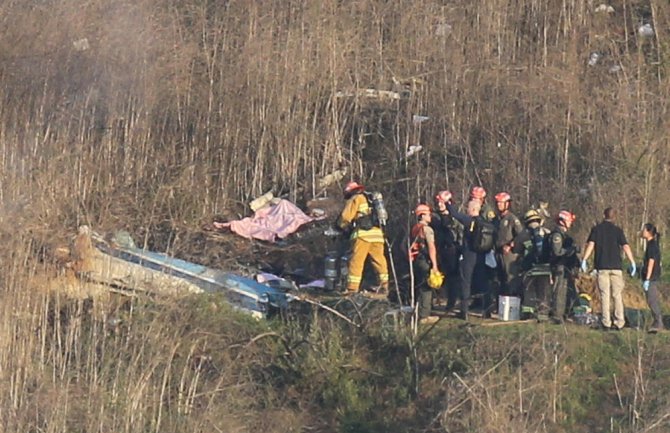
361, 250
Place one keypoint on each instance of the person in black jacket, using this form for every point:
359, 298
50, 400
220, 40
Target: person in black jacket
651, 273
470, 256
529, 246
447, 236
509, 227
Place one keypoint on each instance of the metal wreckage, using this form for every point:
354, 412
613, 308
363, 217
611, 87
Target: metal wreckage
119, 263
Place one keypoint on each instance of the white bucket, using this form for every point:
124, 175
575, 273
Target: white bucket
509, 308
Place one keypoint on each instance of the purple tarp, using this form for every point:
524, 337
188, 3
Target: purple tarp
270, 222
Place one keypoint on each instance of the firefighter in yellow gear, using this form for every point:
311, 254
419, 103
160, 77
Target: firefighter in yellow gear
366, 236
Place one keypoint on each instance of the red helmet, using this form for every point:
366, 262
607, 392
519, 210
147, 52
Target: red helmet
503, 197
353, 186
478, 193
443, 196
422, 209
566, 215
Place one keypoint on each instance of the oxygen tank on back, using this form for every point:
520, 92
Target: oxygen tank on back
379, 208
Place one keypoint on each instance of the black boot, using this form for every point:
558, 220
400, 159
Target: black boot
465, 305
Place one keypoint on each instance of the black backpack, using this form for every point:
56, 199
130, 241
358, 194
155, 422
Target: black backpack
548, 255
483, 235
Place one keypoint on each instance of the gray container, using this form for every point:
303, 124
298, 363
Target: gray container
509, 308
331, 272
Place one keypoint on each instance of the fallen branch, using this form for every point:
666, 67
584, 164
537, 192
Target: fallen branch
327, 308
357, 368
258, 337
281, 338
510, 322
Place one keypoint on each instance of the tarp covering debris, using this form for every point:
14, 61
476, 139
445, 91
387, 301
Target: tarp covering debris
269, 223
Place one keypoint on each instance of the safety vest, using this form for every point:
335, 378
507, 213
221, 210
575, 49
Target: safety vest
419, 244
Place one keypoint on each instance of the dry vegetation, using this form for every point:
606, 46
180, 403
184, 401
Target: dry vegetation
156, 115
178, 111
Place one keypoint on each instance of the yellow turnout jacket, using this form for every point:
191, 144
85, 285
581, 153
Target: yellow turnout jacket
356, 207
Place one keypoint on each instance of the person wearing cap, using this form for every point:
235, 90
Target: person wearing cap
367, 239
607, 240
448, 233
562, 258
471, 258
423, 255
508, 227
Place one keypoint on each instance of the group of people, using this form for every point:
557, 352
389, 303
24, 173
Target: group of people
491, 251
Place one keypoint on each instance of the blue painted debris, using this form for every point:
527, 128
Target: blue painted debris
243, 293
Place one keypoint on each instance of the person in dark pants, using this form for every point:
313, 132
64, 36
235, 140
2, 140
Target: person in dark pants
509, 227
484, 275
607, 240
470, 256
562, 258
651, 273
448, 249
423, 255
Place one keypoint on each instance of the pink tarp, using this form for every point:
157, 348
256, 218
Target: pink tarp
270, 222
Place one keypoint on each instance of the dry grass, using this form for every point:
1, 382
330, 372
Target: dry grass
179, 111
176, 112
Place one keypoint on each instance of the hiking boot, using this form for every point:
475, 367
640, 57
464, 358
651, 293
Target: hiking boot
348, 293
465, 306
655, 329
463, 315
428, 320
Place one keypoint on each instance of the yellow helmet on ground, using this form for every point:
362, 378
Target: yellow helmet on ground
585, 296
435, 279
